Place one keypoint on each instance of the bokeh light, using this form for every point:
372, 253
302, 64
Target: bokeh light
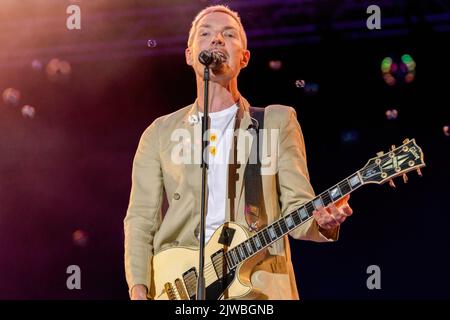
58, 70
151, 43
350, 136
402, 71
392, 114
80, 238
28, 111
275, 65
36, 65
11, 97
311, 88
300, 83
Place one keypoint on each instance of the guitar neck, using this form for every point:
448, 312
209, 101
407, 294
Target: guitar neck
286, 224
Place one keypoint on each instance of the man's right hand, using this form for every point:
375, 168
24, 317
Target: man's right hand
139, 292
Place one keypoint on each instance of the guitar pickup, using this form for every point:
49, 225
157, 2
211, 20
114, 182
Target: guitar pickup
190, 281
226, 236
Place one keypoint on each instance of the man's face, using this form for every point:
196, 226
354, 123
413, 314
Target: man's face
218, 31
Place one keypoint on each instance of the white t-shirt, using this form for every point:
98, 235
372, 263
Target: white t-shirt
221, 137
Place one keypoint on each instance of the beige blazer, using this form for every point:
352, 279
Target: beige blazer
161, 168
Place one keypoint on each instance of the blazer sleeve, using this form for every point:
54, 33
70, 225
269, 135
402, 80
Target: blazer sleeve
293, 183
143, 216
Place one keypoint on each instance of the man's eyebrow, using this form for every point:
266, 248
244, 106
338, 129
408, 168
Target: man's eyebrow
209, 26
204, 26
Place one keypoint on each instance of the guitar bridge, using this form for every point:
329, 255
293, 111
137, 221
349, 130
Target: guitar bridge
180, 288
168, 288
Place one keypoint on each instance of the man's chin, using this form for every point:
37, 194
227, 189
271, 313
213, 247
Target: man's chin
222, 72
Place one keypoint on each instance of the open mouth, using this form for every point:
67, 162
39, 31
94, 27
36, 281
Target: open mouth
222, 54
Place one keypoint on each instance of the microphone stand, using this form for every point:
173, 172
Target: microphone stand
201, 290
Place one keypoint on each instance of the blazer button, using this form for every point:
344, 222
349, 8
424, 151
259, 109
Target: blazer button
176, 196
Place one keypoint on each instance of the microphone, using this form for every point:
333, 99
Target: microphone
213, 58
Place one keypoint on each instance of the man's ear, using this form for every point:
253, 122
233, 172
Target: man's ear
188, 55
245, 58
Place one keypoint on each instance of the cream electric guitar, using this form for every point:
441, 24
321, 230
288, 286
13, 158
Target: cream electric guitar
232, 251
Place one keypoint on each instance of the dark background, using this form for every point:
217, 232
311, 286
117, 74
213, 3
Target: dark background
68, 168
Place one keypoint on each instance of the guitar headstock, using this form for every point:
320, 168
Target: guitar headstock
398, 161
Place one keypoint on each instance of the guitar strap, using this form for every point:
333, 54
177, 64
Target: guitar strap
255, 212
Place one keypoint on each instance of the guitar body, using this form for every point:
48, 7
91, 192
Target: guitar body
169, 267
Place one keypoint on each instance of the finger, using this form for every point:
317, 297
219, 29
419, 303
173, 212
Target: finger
327, 221
331, 223
337, 213
347, 210
320, 217
333, 210
321, 211
341, 218
342, 201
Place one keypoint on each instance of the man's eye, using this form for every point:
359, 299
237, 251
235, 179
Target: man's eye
229, 34
204, 33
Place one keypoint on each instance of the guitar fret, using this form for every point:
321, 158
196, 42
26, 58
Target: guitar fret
354, 181
290, 222
249, 248
238, 254
266, 236
303, 214
310, 208
262, 238
345, 187
244, 249
252, 243
277, 228
326, 198
283, 226
296, 217
272, 234
317, 202
228, 260
335, 193
258, 242
241, 253
234, 256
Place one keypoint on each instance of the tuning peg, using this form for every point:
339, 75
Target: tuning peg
419, 172
379, 154
405, 141
405, 178
391, 183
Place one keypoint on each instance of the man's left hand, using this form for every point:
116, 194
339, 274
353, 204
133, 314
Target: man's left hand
331, 217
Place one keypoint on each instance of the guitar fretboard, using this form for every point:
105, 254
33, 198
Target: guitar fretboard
284, 225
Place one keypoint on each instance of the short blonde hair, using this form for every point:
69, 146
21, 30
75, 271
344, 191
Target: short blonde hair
217, 8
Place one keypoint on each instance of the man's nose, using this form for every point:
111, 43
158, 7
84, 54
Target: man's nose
218, 39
